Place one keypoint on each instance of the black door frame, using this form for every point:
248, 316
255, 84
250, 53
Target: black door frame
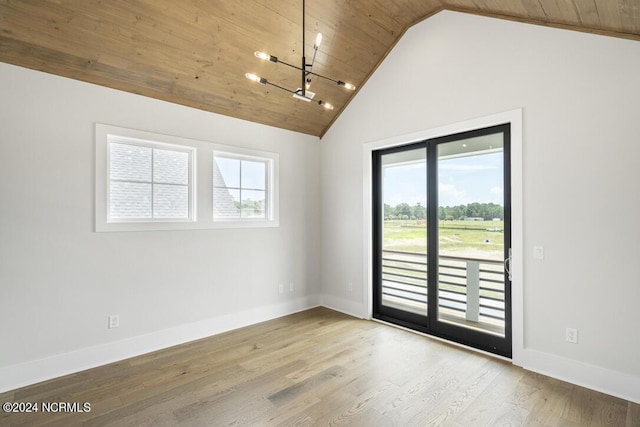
429, 324
388, 314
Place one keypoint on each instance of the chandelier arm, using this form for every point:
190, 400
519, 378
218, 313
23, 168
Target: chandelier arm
309, 72
280, 87
289, 65
324, 77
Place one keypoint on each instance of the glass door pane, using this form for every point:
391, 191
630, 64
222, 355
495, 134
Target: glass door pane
403, 191
471, 233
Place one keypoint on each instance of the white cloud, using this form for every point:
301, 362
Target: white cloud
450, 195
497, 194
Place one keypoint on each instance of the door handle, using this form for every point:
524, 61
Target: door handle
507, 266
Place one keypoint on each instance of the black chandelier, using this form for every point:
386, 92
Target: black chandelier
305, 69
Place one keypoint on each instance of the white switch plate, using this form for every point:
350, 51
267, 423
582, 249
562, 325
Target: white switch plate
538, 252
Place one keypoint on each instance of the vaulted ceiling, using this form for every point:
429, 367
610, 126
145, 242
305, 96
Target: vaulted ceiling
196, 52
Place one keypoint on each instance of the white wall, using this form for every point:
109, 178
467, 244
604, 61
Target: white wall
59, 280
579, 96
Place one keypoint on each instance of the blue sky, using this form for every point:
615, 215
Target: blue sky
462, 180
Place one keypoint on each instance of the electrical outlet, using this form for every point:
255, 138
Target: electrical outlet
571, 335
280, 288
114, 321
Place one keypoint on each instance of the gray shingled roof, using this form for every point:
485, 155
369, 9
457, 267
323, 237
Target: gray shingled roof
223, 204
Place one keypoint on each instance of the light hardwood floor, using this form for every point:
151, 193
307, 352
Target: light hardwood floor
319, 367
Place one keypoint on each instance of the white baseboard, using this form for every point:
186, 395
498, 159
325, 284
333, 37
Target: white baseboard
608, 381
604, 380
34, 371
342, 305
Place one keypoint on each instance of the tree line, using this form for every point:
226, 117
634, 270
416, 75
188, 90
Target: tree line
486, 211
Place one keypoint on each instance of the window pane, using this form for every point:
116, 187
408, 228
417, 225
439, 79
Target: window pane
253, 204
170, 167
226, 203
130, 200
170, 201
226, 173
129, 162
253, 175
242, 186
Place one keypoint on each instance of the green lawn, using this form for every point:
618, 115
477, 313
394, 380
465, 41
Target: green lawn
458, 238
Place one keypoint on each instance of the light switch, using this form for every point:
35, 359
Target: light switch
538, 252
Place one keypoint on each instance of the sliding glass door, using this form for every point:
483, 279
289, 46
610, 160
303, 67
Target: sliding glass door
442, 236
401, 221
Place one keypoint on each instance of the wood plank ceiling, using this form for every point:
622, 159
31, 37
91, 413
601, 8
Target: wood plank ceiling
196, 52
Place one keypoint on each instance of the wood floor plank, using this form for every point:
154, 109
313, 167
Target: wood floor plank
609, 411
551, 402
581, 406
327, 405
484, 411
449, 405
318, 368
242, 402
358, 409
425, 389
507, 414
633, 415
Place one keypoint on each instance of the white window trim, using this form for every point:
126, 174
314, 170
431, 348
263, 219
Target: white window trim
272, 185
201, 176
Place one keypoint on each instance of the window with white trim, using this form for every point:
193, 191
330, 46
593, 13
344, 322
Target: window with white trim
149, 181
243, 186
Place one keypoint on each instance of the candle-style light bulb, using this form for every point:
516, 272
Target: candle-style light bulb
346, 85
256, 78
326, 105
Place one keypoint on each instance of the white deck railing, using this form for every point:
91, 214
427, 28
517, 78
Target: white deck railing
471, 290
